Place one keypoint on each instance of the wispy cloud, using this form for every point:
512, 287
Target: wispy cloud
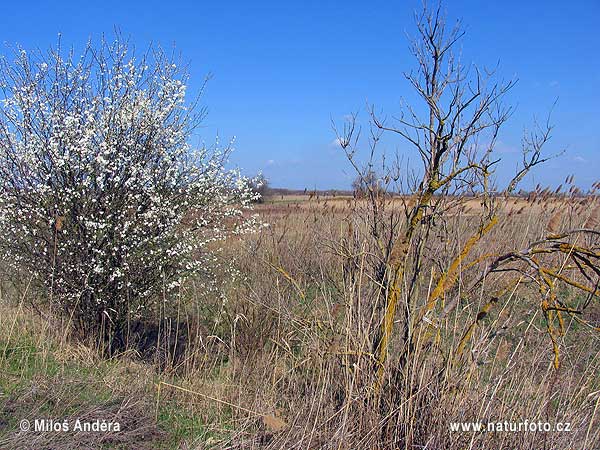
503, 147
335, 143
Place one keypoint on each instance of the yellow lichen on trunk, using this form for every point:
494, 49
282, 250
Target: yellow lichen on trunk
447, 279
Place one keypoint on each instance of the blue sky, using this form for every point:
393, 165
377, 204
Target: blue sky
281, 70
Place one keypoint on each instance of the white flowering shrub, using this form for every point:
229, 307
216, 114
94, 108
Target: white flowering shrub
102, 198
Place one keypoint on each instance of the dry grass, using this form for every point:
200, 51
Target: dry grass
284, 360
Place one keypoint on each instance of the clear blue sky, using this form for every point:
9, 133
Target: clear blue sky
282, 69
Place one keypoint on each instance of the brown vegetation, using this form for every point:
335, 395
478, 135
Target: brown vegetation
286, 360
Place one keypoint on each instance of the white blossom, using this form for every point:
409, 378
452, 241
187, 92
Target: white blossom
102, 198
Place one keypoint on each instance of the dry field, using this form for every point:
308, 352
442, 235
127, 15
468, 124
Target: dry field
284, 358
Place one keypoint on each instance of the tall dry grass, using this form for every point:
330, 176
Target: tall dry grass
284, 358
299, 339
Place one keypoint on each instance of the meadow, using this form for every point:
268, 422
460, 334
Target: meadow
283, 356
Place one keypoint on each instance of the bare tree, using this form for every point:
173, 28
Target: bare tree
454, 132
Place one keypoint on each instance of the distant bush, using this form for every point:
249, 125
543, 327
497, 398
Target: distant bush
367, 184
260, 187
103, 200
